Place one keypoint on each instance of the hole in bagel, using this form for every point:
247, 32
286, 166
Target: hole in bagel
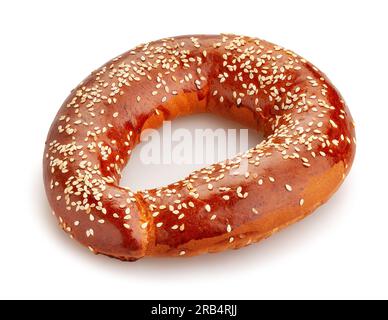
189, 143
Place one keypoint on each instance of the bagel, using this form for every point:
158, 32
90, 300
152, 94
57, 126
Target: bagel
308, 147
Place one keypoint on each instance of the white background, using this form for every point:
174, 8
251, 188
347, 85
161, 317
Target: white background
46, 48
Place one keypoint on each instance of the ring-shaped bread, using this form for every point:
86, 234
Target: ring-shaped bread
308, 148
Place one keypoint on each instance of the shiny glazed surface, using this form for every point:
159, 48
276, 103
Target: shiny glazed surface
308, 148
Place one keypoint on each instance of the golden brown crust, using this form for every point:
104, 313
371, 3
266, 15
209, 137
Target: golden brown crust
308, 149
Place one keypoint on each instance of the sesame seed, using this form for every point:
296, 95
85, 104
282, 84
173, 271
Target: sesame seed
333, 123
89, 233
144, 225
